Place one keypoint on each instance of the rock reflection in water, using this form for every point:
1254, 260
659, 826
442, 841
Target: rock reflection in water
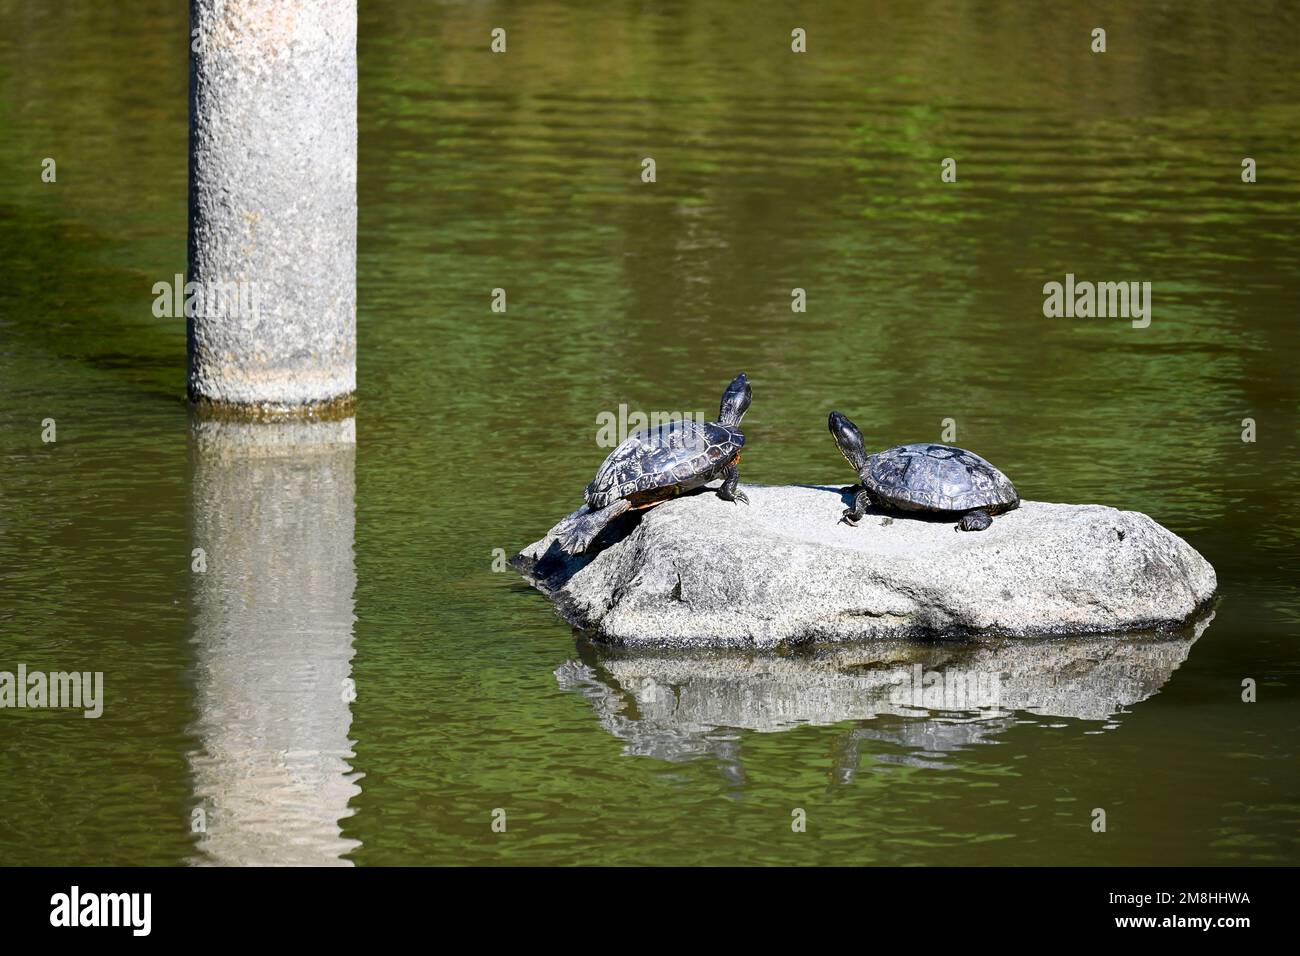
273, 510
934, 699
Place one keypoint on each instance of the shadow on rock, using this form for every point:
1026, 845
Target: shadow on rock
885, 516
549, 568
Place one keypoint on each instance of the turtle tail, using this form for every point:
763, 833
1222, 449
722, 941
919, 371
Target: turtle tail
576, 532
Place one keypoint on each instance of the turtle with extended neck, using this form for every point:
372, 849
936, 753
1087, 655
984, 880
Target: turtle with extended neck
657, 464
932, 478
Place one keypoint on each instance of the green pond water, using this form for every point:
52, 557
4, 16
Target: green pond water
351, 680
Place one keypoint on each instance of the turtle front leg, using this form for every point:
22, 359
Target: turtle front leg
976, 520
730, 490
861, 502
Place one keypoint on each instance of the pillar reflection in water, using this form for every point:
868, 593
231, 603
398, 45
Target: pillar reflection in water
273, 510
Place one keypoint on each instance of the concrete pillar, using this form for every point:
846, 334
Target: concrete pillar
272, 203
273, 576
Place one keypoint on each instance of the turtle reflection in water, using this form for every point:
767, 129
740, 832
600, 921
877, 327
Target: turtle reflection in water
939, 479
660, 463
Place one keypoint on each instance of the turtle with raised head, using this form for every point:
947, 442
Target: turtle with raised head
939, 479
656, 464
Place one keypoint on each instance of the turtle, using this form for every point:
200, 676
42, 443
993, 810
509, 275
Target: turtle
656, 464
939, 479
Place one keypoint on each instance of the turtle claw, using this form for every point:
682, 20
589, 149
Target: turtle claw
740, 498
849, 518
974, 521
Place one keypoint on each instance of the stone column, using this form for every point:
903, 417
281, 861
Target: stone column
271, 291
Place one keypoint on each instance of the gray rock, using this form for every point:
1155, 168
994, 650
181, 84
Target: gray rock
273, 201
701, 572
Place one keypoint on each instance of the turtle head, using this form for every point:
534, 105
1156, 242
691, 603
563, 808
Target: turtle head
849, 439
735, 401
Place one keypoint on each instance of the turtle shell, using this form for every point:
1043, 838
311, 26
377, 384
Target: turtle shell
937, 478
681, 452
